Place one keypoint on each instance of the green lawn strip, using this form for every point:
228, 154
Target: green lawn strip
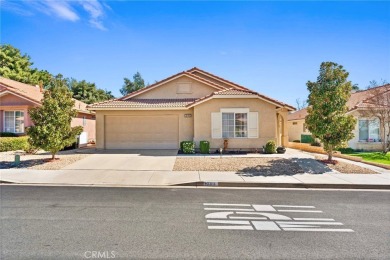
374, 157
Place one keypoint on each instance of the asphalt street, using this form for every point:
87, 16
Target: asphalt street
176, 223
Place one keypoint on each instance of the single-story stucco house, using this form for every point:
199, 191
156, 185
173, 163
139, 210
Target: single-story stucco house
193, 105
15, 100
368, 131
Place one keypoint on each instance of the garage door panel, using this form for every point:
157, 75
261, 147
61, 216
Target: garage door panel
141, 132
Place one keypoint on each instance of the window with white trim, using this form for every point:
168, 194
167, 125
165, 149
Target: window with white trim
14, 122
369, 130
234, 125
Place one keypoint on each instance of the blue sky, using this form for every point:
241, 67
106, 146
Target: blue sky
271, 47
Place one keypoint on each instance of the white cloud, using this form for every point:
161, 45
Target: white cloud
96, 13
63, 9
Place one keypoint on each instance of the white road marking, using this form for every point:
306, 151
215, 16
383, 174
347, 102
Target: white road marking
297, 226
236, 222
294, 210
315, 219
294, 206
265, 225
228, 209
258, 218
310, 223
263, 207
318, 229
226, 204
231, 227
222, 215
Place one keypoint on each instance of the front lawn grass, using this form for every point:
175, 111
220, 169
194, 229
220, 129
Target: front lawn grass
377, 157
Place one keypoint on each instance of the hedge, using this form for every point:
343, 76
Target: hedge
7, 134
13, 143
270, 147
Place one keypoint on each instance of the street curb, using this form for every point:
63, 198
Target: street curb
287, 185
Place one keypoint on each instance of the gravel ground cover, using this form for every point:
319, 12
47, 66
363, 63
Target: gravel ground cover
264, 166
39, 161
259, 166
344, 167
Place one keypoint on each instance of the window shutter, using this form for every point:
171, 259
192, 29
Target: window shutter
253, 125
216, 125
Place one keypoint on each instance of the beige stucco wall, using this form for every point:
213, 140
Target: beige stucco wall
295, 130
186, 124
169, 90
266, 122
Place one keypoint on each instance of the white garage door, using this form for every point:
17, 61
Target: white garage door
141, 132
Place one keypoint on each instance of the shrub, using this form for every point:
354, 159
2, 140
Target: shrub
315, 143
296, 141
13, 143
307, 139
204, 147
346, 150
270, 147
187, 147
6, 134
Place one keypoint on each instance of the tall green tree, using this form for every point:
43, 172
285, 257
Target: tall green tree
52, 129
327, 119
17, 66
131, 86
87, 92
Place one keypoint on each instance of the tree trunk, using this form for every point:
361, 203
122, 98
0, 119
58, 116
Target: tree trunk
53, 156
330, 156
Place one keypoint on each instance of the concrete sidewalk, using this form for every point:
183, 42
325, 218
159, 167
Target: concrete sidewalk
193, 178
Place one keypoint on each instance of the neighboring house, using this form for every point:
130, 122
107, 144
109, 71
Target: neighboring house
367, 131
192, 105
15, 100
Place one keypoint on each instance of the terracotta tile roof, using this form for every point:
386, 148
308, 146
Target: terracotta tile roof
238, 92
33, 93
300, 114
143, 103
359, 99
234, 85
29, 92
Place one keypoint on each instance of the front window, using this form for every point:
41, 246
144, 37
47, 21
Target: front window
369, 130
234, 125
14, 121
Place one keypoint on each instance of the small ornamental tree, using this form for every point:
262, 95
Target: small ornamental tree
327, 119
52, 130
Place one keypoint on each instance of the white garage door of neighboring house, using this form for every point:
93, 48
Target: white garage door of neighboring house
142, 132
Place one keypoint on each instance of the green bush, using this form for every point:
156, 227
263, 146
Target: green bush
204, 147
315, 143
187, 147
13, 143
270, 147
6, 134
307, 139
348, 150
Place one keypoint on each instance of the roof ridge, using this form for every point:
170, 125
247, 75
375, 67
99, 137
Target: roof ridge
215, 76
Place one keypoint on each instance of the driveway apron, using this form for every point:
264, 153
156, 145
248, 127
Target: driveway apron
127, 160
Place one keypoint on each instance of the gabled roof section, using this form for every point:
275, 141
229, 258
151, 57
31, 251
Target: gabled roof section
359, 100
239, 93
176, 76
215, 77
32, 93
26, 91
143, 104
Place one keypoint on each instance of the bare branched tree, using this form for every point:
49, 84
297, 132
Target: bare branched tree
301, 104
378, 106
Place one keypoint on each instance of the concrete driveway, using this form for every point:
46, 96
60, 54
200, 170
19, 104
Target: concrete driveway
129, 160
